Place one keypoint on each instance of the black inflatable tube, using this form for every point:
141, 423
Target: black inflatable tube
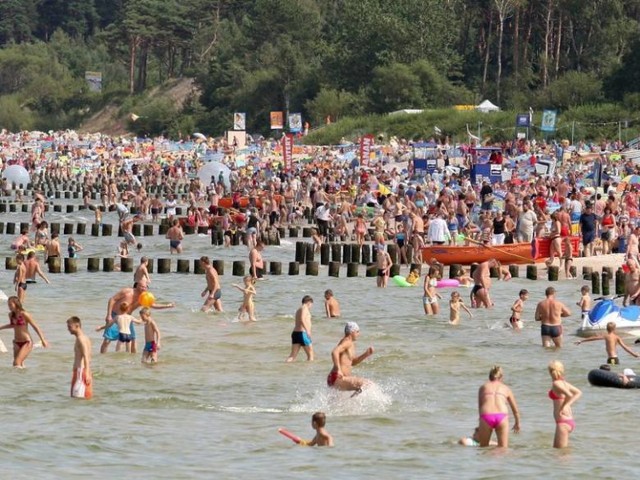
604, 378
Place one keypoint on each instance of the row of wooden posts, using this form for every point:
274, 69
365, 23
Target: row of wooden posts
61, 189
600, 282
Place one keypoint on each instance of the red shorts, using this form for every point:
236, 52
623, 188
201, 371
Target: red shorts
332, 377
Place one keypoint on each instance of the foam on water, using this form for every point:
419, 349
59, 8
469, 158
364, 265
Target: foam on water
373, 400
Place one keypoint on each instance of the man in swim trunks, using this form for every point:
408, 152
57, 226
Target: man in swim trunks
131, 297
33, 268
550, 312
20, 277
82, 380
384, 264
212, 291
175, 236
344, 358
301, 335
142, 273
482, 283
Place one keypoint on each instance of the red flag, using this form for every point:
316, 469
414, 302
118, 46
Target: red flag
366, 144
287, 151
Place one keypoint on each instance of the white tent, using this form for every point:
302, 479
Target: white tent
487, 106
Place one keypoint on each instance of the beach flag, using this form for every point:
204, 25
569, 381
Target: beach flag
134, 117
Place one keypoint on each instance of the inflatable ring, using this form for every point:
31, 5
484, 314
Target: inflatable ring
448, 283
606, 378
400, 281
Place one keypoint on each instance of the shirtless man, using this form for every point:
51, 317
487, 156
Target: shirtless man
82, 381
53, 247
383, 263
301, 335
344, 357
20, 278
212, 291
482, 283
142, 273
550, 313
331, 305
33, 268
129, 296
175, 236
256, 261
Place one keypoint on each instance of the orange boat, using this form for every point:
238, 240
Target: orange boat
515, 253
227, 202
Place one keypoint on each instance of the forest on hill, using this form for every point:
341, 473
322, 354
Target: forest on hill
323, 58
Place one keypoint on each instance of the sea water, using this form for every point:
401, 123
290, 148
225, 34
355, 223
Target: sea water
212, 406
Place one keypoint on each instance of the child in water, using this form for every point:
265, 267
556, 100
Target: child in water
585, 302
322, 438
331, 305
516, 310
413, 277
151, 337
611, 342
73, 248
454, 308
249, 291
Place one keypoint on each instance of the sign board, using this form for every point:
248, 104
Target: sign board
287, 151
277, 122
295, 122
425, 159
94, 81
366, 147
549, 118
239, 121
523, 120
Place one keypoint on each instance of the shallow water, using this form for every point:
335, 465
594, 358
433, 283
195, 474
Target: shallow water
213, 404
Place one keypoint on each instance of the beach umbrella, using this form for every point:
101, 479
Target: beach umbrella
16, 174
631, 180
213, 169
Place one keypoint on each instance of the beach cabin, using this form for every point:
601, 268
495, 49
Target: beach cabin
424, 159
486, 164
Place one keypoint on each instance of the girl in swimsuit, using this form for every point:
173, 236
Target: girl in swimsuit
20, 320
430, 296
493, 398
563, 395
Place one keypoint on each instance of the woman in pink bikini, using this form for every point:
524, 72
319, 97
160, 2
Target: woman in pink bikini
563, 395
20, 320
493, 398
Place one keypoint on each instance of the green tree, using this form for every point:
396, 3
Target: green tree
77, 18
17, 21
395, 87
574, 89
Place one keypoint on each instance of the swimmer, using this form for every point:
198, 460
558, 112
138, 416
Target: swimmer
611, 342
19, 321
212, 291
344, 358
494, 397
516, 310
33, 268
141, 274
454, 308
585, 302
413, 277
430, 294
550, 313
473, 440
124, 321
175, 236
151, 337
20, 277
73, 248
563, 395
82, 380
317, 240
249, 291
301, 335
482, 283
322, 438
331, 305
384, 264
